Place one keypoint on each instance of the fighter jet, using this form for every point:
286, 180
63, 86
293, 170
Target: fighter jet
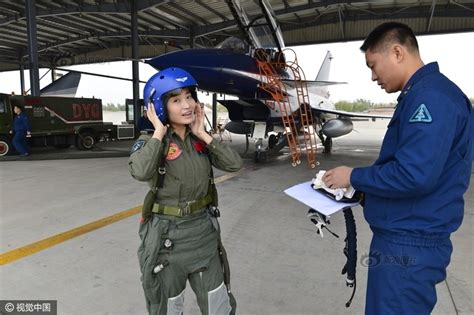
232, 68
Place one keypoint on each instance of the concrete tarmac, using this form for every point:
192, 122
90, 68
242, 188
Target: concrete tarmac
279, 264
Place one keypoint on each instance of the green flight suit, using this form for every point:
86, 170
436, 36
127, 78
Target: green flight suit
193, 253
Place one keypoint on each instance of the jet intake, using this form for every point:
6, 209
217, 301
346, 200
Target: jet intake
337, 127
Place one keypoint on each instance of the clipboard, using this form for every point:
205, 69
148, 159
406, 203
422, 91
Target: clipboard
305, 194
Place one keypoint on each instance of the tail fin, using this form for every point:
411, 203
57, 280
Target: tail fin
65, 86
323, 75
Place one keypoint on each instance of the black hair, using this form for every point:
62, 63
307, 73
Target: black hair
166, 97
19, 106
390, 32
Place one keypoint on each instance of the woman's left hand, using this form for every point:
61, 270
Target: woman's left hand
197, 126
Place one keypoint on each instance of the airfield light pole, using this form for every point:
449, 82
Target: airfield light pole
32, 47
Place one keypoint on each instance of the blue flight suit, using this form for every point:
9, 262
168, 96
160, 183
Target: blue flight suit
21, 126
414, 193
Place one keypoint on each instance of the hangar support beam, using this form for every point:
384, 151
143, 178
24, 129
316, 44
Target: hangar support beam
135, 56
32, 47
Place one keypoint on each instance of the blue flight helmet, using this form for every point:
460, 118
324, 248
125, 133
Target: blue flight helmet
163, 82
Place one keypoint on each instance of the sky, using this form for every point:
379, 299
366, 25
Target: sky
453, 52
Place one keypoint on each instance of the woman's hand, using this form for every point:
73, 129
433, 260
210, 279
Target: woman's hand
160, 129
197, 126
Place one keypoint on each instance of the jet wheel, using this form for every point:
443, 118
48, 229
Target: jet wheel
327, 145
260, 156
272, 141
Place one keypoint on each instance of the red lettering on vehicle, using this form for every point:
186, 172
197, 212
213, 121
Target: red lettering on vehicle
76, 111
95, 111
87, 110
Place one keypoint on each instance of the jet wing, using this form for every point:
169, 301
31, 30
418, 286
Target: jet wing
342, 113
311, 84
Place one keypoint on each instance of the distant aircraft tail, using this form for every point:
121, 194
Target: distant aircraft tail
66, 86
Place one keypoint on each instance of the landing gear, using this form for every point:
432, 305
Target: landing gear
327, 143
260, 154
272, 141
276, 142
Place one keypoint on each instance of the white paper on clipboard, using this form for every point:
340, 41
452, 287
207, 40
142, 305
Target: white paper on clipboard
304, 193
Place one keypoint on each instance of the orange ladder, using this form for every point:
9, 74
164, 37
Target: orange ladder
306, 115
272, 84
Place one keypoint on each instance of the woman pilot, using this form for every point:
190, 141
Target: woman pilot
179, 236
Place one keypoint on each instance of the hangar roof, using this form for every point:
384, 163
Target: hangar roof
89, 31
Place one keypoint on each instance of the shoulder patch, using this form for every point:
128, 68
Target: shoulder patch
137, 145
421, 114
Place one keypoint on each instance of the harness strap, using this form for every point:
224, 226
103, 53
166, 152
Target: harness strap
161, 168
190, 208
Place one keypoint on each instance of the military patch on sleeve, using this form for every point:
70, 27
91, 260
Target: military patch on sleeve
421, 115
137, 145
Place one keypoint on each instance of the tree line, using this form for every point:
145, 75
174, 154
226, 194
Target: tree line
359, 105
362, 105
111, 107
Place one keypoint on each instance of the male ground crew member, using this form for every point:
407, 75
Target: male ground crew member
414, 191
21, 129
180, 239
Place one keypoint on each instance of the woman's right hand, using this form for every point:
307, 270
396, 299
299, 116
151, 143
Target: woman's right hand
160, 129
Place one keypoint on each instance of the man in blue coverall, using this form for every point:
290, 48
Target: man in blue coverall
414, 190
21, 130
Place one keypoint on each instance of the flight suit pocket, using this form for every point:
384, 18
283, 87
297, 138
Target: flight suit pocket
142, 232
150, 235
148, 255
